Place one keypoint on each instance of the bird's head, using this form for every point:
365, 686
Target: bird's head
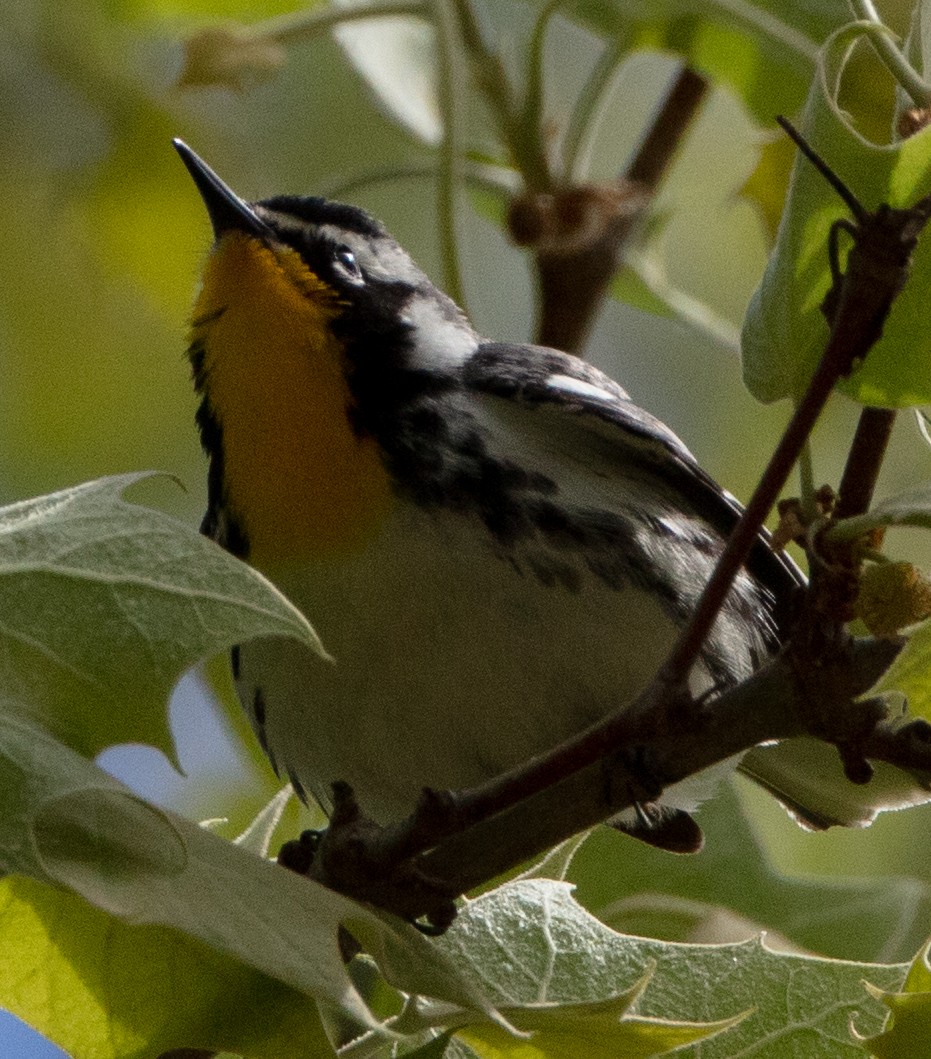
310, 323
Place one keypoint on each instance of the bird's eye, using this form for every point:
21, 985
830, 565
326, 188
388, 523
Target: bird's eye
346, 260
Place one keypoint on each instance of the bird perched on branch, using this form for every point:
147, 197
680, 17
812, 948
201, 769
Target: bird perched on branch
495, 545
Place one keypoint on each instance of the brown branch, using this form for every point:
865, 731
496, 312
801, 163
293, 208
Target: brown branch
836, 566
469, 848
572, 283
864, 462
773, 704
661, 142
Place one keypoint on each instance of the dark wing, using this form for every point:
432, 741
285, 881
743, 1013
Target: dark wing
804, 774
537, 376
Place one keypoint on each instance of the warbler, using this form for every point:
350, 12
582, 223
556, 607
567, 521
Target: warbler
495, 545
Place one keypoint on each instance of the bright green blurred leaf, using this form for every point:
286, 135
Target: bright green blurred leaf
105, 604
160, 10
785, 331
767, 185
104, 989
908, 674
908, 1032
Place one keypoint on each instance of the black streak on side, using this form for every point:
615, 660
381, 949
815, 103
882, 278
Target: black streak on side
522, 373
219, 523
258, 713
299, 789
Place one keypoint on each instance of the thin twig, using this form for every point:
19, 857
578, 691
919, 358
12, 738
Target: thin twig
669, 127
908, 78
586, 115
450, 169
302, 25
496, 180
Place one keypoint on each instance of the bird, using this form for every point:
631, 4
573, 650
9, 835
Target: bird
496, 546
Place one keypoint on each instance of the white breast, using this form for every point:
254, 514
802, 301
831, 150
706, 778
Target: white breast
453, 661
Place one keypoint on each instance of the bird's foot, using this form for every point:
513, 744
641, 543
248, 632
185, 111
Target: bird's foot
347, 857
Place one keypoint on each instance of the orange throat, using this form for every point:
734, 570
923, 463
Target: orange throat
299, 480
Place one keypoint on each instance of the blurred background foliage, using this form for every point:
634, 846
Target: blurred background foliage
103, 238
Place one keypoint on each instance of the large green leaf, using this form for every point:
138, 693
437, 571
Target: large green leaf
785, 332
526, 950
533, 946
732, 889
68, 823
106, 989
104, 605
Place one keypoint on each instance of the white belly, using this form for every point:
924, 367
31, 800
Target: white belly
452, 663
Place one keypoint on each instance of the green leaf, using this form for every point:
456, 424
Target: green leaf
531, 943
104, 605
852, 918
785, 332
767, 185
105, 989
912, 508
909, 1029
805, 771
68, 823
908, 674
587, 1031
763, 50
629, 286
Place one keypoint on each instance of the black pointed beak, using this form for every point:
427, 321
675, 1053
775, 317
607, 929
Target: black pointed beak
227, 211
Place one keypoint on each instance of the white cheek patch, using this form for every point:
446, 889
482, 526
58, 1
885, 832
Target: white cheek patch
577, 388
441, 342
